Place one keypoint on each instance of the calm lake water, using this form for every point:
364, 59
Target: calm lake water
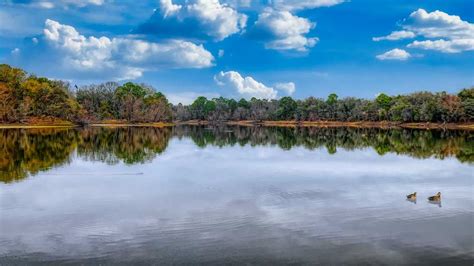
235, 195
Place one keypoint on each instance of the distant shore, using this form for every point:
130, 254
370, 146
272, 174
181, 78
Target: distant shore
287, 123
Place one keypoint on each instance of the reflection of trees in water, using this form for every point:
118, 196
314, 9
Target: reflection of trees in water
416, 143
25, 152
128, 144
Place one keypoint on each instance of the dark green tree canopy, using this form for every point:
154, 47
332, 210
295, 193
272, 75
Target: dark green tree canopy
287, 108
384, 101
332, 99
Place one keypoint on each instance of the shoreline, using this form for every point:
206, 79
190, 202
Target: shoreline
155, 124
322, 124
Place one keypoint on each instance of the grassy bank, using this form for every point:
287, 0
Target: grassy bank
157, 124
124, 123
39, 123
56, 123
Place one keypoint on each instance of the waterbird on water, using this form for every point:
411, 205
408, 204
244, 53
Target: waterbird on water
436, 197
412, 196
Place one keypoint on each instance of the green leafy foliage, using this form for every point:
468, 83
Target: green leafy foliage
416, 107
23, 96
286, 108
202, 107
131, 102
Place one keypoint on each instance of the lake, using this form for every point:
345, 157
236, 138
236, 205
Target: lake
235, 195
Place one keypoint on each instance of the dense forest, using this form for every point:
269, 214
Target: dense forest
416, 107
24, 96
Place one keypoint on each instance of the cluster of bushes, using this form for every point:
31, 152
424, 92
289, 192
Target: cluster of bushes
24, 96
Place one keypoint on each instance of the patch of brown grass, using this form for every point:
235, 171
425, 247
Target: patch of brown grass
39, 122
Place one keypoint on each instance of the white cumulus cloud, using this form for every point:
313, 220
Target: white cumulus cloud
194, 19
442, 32
282, 30
455, 35
438, 24
124, 58
395, 54
445, 46
287, 87
247, 87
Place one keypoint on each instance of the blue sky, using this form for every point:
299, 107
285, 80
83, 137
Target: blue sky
244, 48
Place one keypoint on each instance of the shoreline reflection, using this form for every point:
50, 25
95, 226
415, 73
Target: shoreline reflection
25, 152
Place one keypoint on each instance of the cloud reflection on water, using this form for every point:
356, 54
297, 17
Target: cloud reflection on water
252, 204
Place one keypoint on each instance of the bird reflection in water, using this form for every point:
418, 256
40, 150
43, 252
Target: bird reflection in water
436, 199
435, 202
412, 200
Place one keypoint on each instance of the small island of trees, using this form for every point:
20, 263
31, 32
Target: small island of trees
25, 98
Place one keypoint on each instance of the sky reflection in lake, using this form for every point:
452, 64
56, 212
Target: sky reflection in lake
241, 204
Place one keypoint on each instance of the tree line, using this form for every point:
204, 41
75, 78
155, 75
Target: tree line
24, 96
414, 107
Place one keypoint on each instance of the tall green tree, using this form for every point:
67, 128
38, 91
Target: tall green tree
467, 101
287, 108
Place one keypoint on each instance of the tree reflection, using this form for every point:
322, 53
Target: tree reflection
416, 143
127, 144
25, 152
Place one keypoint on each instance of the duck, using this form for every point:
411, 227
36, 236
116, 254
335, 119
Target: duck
436, 197
412, 196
